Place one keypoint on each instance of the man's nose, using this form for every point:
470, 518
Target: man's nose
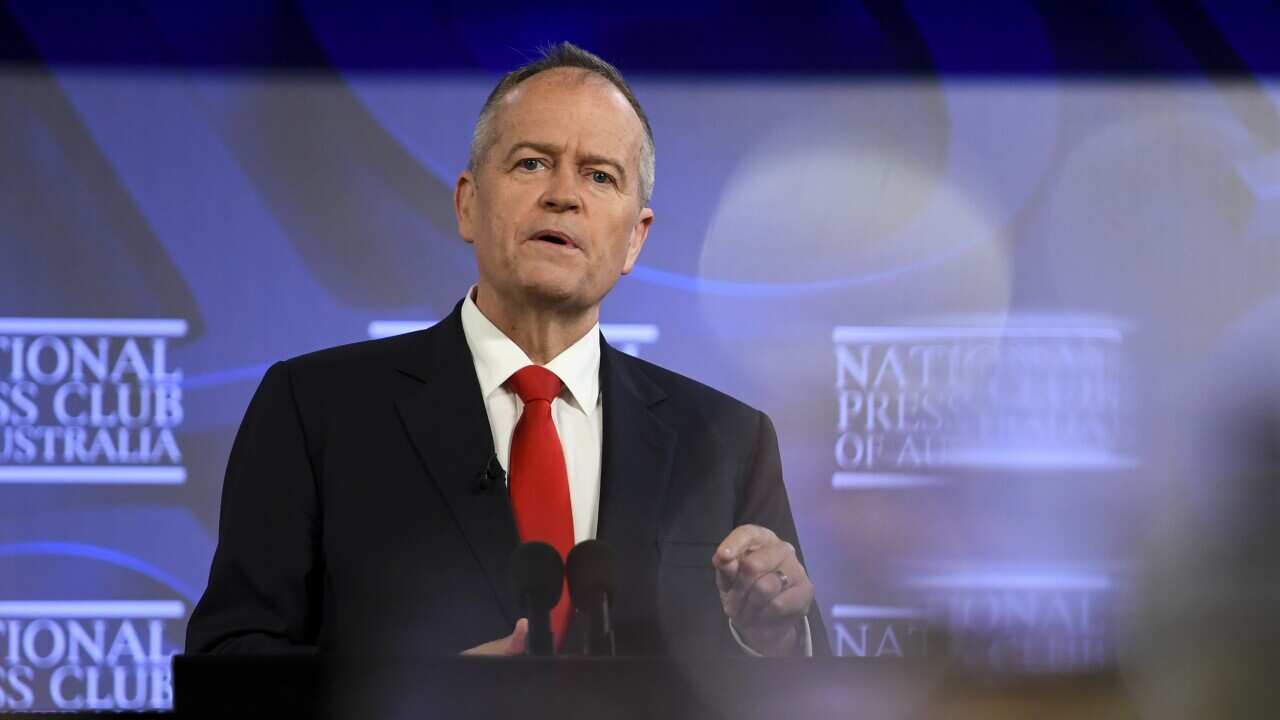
561, 194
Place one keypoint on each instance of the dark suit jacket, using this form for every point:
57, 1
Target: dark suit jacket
352, 519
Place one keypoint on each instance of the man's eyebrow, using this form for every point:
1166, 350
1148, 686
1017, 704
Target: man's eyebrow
544, 148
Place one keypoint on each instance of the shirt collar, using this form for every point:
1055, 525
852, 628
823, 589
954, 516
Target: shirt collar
496, 357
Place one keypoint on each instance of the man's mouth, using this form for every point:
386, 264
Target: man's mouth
554, 237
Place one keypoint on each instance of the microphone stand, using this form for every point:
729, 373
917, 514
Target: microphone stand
540, 641
598, 639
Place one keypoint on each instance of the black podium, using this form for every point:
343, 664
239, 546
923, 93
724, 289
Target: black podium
633, 687
535, 688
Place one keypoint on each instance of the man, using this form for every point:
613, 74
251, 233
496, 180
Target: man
364, 508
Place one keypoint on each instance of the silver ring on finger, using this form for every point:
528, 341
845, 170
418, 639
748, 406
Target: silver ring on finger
782, 578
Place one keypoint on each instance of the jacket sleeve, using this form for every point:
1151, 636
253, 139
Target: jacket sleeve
266, 578
762, 500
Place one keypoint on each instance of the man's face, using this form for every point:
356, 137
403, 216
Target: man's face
554, 207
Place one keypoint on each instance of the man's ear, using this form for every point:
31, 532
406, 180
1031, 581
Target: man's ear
639, 232
464, 200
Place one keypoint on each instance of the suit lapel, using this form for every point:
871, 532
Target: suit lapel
445, 417
636, 467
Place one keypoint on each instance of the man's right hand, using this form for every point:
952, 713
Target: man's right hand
512, 644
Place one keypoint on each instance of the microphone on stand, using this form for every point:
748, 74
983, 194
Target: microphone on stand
591, 588
538, 576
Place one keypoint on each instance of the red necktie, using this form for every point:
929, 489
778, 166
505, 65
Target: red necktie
539, 483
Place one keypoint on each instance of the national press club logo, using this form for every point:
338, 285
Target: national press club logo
90, 401
920, 405
1024, 621
66, 652
915, 400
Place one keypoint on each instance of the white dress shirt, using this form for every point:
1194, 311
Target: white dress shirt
577, 414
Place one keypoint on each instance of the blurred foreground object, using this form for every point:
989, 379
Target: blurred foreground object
1207, 620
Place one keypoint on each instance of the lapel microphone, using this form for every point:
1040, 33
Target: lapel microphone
590, 571
490, 477
537, 572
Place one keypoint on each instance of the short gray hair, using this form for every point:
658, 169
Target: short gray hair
564, 55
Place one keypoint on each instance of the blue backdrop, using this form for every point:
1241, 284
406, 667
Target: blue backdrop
977, 265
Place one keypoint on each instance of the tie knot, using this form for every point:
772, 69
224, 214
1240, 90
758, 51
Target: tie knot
534, 382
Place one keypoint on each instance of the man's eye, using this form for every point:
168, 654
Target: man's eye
601, 177
530, 164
